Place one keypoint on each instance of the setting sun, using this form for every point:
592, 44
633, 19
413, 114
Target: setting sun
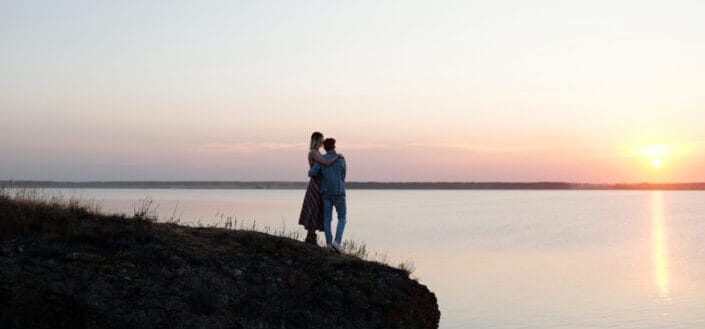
656, 162
656, 154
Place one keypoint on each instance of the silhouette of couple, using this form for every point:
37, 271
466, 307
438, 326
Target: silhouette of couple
325, 191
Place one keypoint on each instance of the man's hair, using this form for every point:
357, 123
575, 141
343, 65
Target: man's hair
329, 144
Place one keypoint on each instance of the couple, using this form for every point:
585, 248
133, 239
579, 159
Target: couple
326, 190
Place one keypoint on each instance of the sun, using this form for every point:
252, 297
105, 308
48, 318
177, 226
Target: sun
656, 162
656, 155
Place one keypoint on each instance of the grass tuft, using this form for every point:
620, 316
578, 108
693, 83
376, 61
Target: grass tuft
146, 210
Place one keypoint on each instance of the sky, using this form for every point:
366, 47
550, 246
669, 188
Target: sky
577, 91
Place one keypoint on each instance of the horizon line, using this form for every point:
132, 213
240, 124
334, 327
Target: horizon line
447, 185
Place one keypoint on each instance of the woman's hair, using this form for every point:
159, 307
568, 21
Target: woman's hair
316, 139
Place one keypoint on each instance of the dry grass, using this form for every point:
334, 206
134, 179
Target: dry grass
36, 212
146, 210
41, 197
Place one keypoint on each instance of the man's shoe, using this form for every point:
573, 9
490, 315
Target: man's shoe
336, 247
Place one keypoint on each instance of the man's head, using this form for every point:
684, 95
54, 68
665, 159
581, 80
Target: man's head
329, 144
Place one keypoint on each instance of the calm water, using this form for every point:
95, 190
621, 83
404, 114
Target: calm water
505, 259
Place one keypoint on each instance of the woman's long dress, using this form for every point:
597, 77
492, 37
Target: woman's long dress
312, 210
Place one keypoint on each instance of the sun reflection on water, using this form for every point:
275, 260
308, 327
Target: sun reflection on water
658, 246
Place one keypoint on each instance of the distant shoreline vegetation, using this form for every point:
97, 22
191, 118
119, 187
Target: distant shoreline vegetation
353, 185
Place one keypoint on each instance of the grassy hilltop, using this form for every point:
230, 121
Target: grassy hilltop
65, 266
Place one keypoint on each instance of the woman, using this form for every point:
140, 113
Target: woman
312, 210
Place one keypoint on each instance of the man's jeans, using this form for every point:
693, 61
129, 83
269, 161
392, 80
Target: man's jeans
337, 201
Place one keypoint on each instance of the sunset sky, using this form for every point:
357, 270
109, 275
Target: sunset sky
579, 91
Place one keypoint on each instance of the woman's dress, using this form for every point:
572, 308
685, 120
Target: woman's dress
312, 210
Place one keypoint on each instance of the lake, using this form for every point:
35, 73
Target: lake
501, 259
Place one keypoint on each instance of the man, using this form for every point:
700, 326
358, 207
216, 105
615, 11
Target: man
332, 193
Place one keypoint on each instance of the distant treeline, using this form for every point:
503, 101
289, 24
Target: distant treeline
354, 185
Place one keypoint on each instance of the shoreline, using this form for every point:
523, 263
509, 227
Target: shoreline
284, 185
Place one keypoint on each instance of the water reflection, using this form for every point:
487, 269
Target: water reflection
658, 246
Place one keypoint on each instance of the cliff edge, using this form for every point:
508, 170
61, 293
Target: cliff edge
63, 266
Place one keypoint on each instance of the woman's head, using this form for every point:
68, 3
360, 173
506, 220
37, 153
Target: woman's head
316, 141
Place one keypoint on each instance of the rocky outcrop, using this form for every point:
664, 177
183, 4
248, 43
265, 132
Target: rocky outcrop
66, 267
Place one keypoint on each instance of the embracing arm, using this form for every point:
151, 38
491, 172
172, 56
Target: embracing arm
317, 157
315, 169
